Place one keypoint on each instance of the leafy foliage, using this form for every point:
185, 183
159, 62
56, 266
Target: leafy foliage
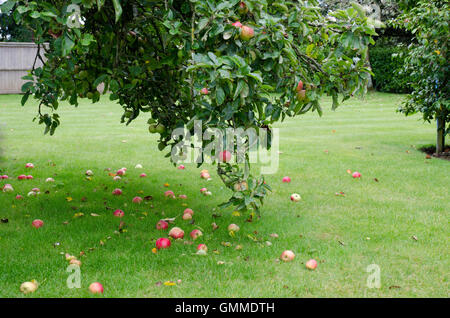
387, 63
155, 56
427, 61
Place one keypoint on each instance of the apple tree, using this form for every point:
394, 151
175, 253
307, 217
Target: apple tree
427, 60
227, 63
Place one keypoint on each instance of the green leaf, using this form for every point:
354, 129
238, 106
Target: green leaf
220, 96
117, 9
25, 98
100, 3
239, 88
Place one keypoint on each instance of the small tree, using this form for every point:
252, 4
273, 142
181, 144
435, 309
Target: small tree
227, 63
427, 61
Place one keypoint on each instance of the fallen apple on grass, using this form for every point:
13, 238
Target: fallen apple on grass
117, 192
143, 175
162, 243
187, 216
4, 177
162, 225
286, 180
19, 197
89, 173
8, 188
138, 166
28, 287
37, 223
29, 165
176, 233
188, 211
233, 228
202, 247
287, 256
169, 194
137, 200
118, 213
30, 177
356, 175
195, 234
295, 197
48, 180
96, 288
22, 177
311, 264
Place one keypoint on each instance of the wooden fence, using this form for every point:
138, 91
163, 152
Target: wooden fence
16, 59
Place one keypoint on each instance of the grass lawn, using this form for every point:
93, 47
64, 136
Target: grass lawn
372, 224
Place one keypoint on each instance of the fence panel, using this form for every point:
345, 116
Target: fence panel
16, 59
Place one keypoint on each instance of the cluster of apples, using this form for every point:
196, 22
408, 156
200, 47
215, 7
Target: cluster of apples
288, 256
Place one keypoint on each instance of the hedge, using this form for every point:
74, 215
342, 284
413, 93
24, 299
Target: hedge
386, 70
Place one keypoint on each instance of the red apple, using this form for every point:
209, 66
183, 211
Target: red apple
311, 264
19, 197
205, 175
169, 194
7, 188
143, 175
202, 247
188, 211
96, 288
356, 175
203, 190
4, 177
162, 243
176, 233
196, 234
182, 196
287, 256
37, 223
204, 91
118, 213
187, 216
181, 167
243, 8
295, 197
237, 24
117, 192
225, 156
22, 177
29, 165
137, 200
299, 87
286, 180
247, 33
162, 225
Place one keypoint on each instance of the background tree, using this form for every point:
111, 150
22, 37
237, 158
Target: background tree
427, 61
227, 63
10, 31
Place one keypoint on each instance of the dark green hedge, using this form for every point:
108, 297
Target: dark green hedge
386, 70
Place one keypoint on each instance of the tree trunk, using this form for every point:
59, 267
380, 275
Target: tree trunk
440, 142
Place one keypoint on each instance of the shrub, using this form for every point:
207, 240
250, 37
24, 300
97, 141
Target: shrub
386, 64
